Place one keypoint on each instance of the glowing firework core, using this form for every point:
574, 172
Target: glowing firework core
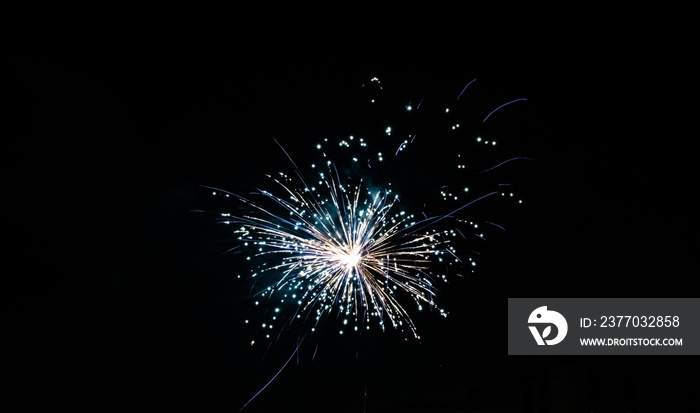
350, 259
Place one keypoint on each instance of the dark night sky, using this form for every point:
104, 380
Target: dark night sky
121, 299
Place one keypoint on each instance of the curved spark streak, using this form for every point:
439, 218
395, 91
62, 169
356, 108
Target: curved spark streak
465, 88
495, 225
504, 162
507, 103
440, 218
296, 351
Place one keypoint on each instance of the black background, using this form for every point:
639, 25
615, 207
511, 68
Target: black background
121, 300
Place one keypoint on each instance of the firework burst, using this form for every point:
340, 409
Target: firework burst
349, 251
328, 242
